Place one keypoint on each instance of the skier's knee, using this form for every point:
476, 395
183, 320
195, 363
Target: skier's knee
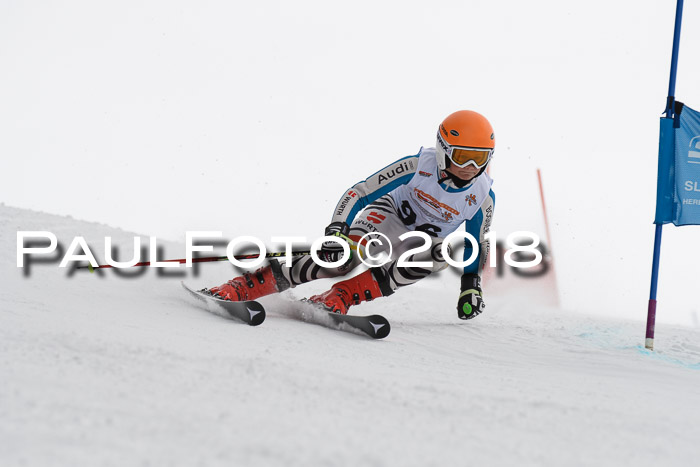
436, 257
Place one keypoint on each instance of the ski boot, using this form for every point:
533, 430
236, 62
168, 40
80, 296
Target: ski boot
363, 287
264, 281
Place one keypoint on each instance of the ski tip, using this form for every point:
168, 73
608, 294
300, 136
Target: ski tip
381, 326
250, 312
257, 313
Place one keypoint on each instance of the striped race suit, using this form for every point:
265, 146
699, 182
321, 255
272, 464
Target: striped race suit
411, 194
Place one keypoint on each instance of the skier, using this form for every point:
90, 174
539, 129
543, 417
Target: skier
434, 191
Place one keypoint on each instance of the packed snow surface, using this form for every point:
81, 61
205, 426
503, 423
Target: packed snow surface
101, 369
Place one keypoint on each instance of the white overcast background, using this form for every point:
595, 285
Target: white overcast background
252, 118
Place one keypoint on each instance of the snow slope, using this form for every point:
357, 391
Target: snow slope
104, 370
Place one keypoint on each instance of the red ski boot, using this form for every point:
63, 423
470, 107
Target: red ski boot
363, 287
264, 281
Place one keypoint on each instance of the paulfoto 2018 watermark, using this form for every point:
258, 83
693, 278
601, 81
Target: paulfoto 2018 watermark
33, 244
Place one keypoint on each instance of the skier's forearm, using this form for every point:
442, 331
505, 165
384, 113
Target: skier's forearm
374, 187
478, 227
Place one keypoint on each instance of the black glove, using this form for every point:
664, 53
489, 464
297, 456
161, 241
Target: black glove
332, 251
471, 302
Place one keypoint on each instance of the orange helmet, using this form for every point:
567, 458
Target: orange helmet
465, 138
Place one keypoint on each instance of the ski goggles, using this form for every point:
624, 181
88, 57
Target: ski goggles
463, 156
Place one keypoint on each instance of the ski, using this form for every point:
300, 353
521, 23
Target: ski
250, 312
253, 313
374, 326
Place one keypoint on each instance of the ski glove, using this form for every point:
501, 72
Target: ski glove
332, 251
471, 301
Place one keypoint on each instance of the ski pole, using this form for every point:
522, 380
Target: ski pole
207, 259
